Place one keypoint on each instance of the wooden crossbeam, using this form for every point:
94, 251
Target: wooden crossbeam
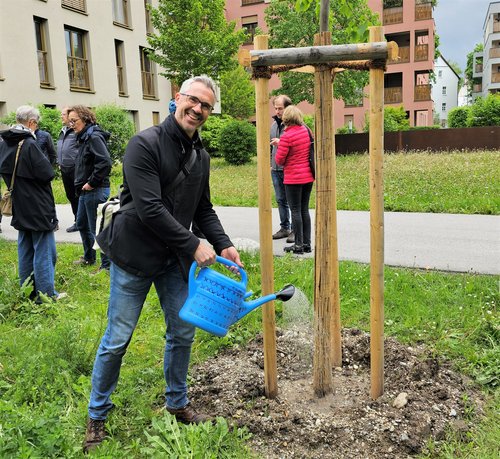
318, 54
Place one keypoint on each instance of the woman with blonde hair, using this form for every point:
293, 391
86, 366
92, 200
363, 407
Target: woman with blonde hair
293, 155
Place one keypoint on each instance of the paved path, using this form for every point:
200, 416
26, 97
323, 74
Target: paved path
448, 242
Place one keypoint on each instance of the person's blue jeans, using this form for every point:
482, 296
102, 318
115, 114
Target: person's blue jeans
127, 295
279, 191
36, 251
86, 219
298, 198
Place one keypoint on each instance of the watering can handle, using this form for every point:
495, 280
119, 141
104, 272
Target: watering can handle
243, 273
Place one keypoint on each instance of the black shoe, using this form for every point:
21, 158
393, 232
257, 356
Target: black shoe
72, 228
294, 248
188, 415
307, 248
281, 234
82, 262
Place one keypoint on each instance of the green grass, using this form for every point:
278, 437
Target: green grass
413, 182
47, 352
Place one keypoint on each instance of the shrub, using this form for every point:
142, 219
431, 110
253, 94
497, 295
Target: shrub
485, 112
210, 133
309, 121
395, 119
345, 130
237, 94
238, 142
115, 120
457, 118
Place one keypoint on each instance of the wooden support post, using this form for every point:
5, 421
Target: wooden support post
327, 346
376, 147
265, 225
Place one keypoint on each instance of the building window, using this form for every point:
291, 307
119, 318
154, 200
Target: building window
42, 51
147, 75
120, 68
78, 64
147, 10
249, 23
156, 118
440, 73
443, 107
121, 12
77, 5
444, 91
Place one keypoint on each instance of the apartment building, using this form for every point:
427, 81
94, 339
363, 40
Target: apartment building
407, 81
90, 52
444, 90
486, 64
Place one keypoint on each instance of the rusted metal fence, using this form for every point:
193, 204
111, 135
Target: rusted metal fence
477, 138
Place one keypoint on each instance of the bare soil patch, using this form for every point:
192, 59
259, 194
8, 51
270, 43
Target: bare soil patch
346, 423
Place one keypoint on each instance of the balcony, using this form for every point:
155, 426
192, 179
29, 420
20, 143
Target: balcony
495, 77
421, 52
393, 15
423, 11
78, 71
250, 2
478, 68
393, 95
477, 88
404, 56
422, 92
496, 27
494, 53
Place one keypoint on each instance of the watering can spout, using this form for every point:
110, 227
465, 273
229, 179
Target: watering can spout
284, 295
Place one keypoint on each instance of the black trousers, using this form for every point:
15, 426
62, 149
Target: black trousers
68, 178
297, 197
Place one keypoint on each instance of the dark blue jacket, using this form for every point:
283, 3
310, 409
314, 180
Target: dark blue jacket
46, 144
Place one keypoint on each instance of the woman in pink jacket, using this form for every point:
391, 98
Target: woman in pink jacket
293, 155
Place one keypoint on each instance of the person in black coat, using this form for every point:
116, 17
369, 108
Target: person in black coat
33, 207
46, 144
151, 243
92, 171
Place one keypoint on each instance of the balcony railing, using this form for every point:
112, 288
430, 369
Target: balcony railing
422, 92
496, 27
494, 52
477, 88
478, 68
421, 52
393, 15
404, 56
250, 2
393, 95
423, 11
495, 77
43, 68
148, 86
78, 70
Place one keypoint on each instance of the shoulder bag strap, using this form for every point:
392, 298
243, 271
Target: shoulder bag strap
20, 144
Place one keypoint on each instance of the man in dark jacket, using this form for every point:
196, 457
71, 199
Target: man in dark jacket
46, 144
67, 152
150, 243
33, 207
92, 170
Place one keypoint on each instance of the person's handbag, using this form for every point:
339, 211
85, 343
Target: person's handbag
6, 201
312, 163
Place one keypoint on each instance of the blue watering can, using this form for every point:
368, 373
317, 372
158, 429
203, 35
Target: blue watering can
216, 301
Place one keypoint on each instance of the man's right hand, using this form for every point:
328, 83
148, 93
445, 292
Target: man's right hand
204, 255
275, 141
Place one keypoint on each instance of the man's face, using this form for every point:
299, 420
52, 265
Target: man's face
279, 108
64, 117
193, 107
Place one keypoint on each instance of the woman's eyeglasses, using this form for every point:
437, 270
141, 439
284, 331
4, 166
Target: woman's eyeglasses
193, 100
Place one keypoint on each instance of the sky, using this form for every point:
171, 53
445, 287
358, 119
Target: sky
459, 24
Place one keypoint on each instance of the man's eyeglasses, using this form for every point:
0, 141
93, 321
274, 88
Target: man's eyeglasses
193, 100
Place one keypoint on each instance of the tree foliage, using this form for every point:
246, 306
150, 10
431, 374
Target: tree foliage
395, 119
290, 27
237, 94
193, 38
457, 117
485, 112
